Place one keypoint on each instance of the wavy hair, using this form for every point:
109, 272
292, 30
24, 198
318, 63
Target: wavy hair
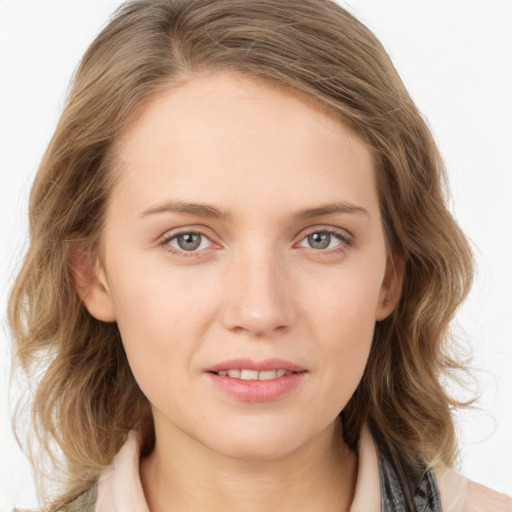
86, 398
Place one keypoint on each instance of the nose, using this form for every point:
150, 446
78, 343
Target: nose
258, 295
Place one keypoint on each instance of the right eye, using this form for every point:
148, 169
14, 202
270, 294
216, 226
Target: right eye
186, 243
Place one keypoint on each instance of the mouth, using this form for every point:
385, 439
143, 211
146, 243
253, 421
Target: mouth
248, 369
256, 381
246, 374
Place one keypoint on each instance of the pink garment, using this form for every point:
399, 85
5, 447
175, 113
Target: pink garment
120, 488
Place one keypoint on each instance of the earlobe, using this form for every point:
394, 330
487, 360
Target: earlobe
92, 285
391, 288
99, 299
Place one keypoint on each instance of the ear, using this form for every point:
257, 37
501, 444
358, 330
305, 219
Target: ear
92, 285
391, 287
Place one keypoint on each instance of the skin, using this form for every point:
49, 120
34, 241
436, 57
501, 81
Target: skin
255, 287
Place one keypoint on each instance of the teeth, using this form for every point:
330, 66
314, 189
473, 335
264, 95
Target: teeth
248, 375
253, 374
271, 374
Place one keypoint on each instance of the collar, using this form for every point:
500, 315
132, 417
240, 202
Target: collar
120, 487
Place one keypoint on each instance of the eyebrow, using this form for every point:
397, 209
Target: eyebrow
331, 209
198, 209
212, 212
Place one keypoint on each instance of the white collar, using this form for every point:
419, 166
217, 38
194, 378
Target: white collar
120, 487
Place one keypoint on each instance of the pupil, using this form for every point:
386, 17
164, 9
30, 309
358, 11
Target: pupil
189, 241
319, 240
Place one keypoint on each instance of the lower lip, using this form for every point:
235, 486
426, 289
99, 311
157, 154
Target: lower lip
258, 390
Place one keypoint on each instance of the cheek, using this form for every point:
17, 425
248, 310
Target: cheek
152, 324
343, 302
161, 317
342, 320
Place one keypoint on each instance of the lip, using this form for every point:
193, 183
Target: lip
260, 366
257, 390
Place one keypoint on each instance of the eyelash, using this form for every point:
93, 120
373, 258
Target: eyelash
181, 253
346, 241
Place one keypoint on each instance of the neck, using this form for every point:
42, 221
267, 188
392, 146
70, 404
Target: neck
187, 476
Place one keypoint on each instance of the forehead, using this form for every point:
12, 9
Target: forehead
223, 136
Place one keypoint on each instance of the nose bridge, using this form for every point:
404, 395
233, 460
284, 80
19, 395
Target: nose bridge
258, 291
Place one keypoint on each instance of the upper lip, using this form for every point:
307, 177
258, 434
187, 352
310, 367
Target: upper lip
260, 366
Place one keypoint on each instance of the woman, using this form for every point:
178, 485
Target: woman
242, 271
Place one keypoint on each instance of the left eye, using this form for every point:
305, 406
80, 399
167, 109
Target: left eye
322, 240
188, 241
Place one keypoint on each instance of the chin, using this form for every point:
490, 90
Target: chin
256, 450
257, 443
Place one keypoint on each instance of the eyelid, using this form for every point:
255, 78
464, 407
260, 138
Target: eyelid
164, 241
347, 242
341, 233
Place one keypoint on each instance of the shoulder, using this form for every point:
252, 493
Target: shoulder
480, 498
459, 494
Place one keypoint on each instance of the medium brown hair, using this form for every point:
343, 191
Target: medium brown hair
87, 399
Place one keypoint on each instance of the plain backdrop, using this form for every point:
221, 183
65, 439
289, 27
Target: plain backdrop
456, 59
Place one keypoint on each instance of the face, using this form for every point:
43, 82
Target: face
245, 264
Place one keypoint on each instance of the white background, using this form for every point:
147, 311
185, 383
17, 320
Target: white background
455, 57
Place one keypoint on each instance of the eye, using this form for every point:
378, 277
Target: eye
322, 239
186, 242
